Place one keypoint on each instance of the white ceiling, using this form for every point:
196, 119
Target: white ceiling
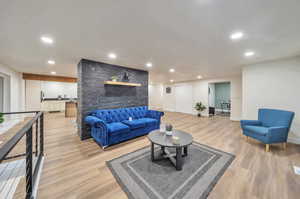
191, 36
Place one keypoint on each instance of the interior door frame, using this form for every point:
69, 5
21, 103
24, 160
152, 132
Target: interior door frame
6, 92
218, 82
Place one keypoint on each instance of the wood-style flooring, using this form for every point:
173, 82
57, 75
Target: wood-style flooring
76, 169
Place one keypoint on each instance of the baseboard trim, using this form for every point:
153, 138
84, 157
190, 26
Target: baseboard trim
235, 119
294, 140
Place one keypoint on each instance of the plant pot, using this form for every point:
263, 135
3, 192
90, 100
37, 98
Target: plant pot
169, 133
199, 115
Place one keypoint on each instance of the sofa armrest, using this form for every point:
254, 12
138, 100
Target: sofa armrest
278, 130
277, 134
250, 122
94, 121
154, 114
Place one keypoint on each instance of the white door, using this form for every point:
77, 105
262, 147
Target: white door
33, 95
184, 98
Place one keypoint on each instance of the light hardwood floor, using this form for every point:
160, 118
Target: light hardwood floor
76, 169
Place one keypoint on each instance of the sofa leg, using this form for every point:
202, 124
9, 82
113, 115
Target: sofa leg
267, 147
247, 138
104, 147
284, 145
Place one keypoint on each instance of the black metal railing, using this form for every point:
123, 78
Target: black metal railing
27, 130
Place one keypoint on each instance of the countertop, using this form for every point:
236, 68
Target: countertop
60, 99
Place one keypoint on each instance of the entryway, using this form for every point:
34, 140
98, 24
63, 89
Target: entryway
219, 99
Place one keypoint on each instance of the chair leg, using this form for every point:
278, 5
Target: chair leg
267, 147
284, 145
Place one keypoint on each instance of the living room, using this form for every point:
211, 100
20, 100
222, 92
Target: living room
149, 99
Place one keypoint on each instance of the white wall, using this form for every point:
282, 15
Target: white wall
155, 96
53, 89
184, 98
1, 94
198, 92
273, 85
32, 95
169, 100
15, 89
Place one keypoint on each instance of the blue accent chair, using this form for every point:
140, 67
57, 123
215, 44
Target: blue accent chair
271, 127
112, 126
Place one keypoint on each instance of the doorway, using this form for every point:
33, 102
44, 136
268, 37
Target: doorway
219, 99
1, 94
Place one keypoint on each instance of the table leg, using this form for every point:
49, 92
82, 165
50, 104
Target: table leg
179, 158
185, 151
163, 150
152, 151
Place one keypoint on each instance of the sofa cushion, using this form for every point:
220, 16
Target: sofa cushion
117, 127
134, 124
259, 130
149, 121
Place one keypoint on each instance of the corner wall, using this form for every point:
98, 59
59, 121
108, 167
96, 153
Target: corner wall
14, 96
273, 85
94, 94
156, 96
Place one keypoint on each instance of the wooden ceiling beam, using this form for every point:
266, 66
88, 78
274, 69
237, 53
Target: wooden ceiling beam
30, 76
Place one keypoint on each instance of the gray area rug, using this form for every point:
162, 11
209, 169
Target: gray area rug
140, 178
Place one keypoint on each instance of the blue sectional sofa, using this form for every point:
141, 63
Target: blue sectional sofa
112, 126
271, 127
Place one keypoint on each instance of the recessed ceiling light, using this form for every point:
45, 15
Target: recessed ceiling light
149, 64
171, 80
47, 40
249, 54
172, 70
199, 77
53, 73
236, 35
52, 62
112, 56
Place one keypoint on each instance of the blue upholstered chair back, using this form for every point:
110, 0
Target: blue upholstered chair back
120, 114
273, 117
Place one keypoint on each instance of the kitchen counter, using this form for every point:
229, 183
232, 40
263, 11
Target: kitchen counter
55, 105
71, 109
58, 99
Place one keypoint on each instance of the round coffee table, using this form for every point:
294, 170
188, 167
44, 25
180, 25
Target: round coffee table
165, 141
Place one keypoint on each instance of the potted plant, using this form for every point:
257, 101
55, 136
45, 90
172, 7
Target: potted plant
114, 78
1, 118
169, 129
199, 107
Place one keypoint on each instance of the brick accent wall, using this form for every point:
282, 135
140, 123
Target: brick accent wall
94, 94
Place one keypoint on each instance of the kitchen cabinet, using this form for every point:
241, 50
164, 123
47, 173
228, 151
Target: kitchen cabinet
55, 89
53, 105
37, 91
71, 109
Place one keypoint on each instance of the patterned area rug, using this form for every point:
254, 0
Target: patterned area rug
140, 178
